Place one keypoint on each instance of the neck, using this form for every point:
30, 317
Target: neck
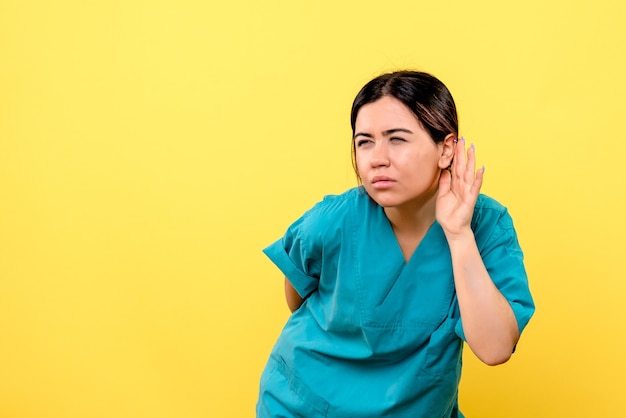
410, 223
412, 217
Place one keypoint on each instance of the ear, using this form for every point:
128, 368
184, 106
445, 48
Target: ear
446, 149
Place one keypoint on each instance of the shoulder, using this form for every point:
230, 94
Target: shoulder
334, 207
329, 214
491, 220
489, 211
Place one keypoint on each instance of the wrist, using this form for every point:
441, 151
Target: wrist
459, 237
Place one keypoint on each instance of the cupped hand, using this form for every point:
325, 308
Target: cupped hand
458, 190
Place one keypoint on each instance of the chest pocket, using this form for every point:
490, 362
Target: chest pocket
444, 350
410, 311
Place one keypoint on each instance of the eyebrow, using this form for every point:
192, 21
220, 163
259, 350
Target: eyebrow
385, 133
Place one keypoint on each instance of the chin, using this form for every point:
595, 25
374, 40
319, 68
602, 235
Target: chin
394, 200
385, 201
388, 205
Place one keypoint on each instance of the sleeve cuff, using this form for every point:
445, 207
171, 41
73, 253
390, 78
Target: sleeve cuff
302, 283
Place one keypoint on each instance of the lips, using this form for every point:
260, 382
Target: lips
382, 182
381, 178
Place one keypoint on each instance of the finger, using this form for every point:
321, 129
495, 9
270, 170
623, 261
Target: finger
459, 159
478, 182
471, 164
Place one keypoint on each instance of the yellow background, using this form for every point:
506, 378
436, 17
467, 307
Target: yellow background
150, 149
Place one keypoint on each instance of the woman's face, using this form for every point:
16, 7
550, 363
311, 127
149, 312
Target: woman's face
398, 162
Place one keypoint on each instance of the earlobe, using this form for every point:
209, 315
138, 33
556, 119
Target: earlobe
447, 150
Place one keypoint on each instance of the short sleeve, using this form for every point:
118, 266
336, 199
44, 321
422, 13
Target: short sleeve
298, 255
503, 257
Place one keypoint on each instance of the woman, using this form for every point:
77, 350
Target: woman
387, 280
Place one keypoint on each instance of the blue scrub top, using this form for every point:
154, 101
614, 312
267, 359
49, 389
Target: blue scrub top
377, 336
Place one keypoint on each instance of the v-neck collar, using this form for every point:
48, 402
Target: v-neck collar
432, 230
386, 281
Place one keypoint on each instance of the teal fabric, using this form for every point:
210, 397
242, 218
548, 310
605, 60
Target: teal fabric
377, 336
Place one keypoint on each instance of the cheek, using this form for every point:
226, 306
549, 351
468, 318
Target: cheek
412, 161
420, 165
360, 163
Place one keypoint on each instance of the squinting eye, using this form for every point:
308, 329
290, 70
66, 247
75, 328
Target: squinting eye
398, 139
362, 142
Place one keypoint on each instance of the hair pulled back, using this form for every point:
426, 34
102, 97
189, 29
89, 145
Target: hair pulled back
425, 95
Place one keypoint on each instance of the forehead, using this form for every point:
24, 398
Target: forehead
385, 113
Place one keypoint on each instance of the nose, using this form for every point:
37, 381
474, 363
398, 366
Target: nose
379, 156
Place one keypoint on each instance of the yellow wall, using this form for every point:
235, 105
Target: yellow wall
150, 149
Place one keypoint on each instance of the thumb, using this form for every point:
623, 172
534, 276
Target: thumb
444, 182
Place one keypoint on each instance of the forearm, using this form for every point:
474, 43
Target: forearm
489, 324
294, 301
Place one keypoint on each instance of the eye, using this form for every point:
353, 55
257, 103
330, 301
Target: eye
397, 139
362, 142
